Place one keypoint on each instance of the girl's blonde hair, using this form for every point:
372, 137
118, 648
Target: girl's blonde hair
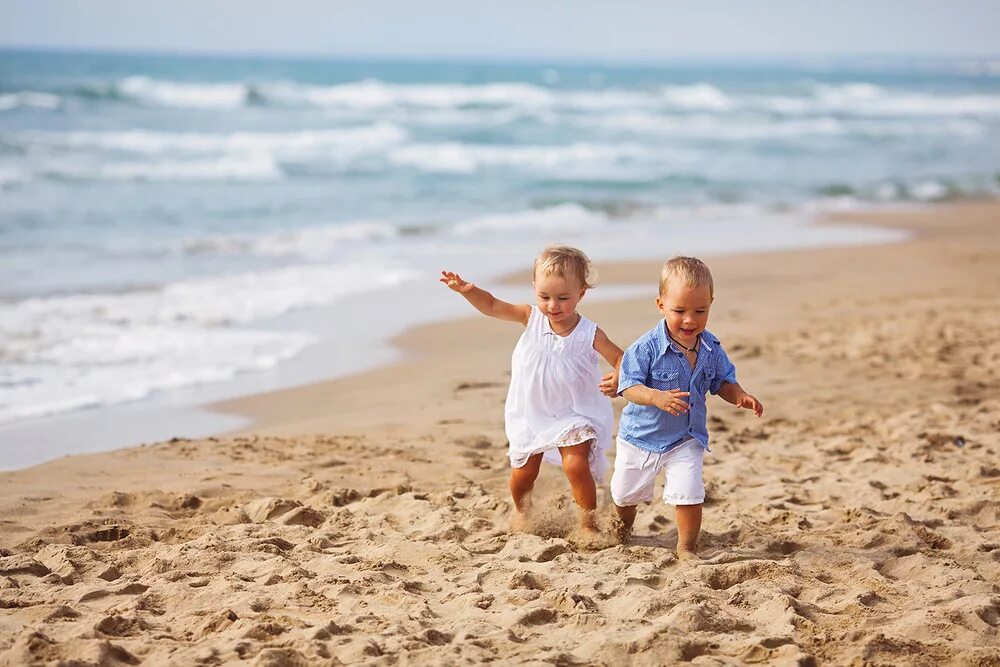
563, 261
691, 270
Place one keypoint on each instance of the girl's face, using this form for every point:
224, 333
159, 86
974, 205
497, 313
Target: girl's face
685, 310
557, 296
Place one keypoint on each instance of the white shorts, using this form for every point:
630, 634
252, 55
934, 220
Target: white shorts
636, 470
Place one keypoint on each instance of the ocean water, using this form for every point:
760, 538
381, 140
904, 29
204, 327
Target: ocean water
169, 222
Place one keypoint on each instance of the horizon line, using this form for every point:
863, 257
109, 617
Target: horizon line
537, 58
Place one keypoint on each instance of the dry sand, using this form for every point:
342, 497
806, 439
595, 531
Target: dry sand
364, 520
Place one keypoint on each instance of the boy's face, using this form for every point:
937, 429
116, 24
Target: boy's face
557, 296
685, 310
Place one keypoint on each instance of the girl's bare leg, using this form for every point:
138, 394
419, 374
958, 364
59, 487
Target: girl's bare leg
522, 481
576, 465
688, 518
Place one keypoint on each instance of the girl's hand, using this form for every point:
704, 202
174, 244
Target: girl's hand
609, 384
750, 403
455, 282
670, 401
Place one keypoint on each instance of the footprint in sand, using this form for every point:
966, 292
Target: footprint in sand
21, 564
428, 637
479, 461
721, 577
134, 588
330, 630
465, 386
62, 613
658, 523
109, 534
120, 626
537, 616
288, 512
217, 622
783, 547
265, 632
529, 580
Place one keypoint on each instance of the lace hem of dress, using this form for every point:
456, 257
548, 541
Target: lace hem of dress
575, 436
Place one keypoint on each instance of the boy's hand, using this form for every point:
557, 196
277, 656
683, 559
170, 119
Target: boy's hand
750, 403
609, 384
455, 282
670, 401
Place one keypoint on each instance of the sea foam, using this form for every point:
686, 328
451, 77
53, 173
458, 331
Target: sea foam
68, 352
316, 242
461, 158
373, 95
562, 218
182, 94
247, 168
30, 99
152, 142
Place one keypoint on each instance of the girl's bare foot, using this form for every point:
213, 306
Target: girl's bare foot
518, 521
588, 521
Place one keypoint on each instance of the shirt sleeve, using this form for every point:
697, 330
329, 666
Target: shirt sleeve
636, 363
725, 371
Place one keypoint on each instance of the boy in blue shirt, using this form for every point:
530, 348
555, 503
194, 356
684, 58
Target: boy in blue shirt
665, 376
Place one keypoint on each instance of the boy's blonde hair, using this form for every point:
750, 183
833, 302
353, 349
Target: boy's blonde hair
563, 261
691, 270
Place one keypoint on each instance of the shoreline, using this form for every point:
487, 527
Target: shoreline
349, 349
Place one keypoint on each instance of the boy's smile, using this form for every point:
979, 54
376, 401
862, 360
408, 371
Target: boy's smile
685, 310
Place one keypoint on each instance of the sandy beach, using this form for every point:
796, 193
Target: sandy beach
364, 520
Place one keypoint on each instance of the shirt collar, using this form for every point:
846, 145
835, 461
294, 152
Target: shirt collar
706, 340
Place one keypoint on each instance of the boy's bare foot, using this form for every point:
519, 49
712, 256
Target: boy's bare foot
625, 521
686, 554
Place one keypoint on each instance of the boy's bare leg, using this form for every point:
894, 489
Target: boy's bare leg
522, 481
627, 515
688, 518
576, 465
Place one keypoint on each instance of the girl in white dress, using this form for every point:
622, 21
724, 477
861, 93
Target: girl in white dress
555, 410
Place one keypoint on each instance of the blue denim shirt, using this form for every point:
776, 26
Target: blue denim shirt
655, 361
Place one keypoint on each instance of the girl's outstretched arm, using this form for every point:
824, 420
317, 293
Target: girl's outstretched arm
486, 303
613, 354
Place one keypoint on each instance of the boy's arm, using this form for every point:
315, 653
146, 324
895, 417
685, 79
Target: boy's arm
726, 386
486, 303
668, 401
634, 369
613, 354
733, 393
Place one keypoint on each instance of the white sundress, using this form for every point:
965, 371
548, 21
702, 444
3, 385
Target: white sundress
554, 400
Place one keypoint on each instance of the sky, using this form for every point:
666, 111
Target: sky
513, 29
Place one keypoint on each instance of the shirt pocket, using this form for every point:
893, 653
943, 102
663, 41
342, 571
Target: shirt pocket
706, 381
665, 380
